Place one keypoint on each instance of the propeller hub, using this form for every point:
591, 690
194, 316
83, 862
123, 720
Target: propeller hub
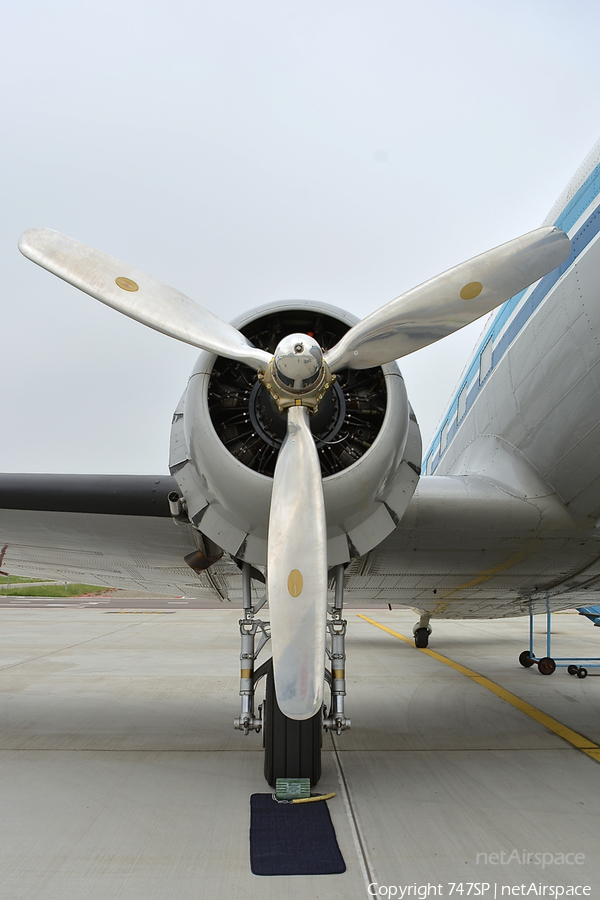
297, 363
297, 377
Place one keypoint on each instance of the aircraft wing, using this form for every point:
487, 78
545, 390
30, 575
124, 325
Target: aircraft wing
466, 546
471, 547
113, 530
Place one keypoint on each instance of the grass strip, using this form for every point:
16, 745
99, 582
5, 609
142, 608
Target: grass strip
52, 590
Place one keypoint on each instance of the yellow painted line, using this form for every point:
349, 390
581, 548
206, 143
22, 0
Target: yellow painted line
572, 737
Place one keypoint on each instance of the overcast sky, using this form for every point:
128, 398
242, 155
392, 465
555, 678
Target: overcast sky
248, 152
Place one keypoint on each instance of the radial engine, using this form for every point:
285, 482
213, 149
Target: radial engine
228, 428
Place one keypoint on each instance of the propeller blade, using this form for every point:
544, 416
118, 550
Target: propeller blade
138, 295
449, 301
297, 571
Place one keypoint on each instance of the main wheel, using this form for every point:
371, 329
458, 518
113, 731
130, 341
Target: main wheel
421, 638
292, 748
525, 659
581, 672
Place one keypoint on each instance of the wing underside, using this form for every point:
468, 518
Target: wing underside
471, 548
107, 530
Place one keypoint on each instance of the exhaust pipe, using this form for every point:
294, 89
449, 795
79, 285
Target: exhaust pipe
178, 508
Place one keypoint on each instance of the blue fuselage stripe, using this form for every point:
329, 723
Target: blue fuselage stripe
578, 204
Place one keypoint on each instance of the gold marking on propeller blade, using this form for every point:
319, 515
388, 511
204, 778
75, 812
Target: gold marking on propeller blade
126, 284
471, 290
295, 583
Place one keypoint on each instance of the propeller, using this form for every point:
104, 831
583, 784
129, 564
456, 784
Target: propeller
137, 295
449, 301
297, 377
297, 571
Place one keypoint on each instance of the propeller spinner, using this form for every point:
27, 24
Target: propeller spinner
298, 377
297, 362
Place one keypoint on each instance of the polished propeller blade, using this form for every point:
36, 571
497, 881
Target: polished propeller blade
449, 301
297, 571
138, 295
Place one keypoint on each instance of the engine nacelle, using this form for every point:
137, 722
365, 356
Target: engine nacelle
227, 431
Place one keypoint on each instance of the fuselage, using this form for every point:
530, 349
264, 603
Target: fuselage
534, 378
504, 517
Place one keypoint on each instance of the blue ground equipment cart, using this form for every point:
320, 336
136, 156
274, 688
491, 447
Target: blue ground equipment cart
547, 664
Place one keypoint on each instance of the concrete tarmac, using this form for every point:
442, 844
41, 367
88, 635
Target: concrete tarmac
122, 776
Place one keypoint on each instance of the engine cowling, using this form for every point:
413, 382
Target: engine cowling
227, 431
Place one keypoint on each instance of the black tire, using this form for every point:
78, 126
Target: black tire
421, 638
572, 670
525, 659
292, 748
582, 673
546, 665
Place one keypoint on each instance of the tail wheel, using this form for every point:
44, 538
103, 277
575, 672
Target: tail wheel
292, 748
421, 638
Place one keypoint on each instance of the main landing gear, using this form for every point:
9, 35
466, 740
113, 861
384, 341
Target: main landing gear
421, 631
292, 748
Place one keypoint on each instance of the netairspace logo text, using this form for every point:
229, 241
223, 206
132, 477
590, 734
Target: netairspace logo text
423, 891
525, 858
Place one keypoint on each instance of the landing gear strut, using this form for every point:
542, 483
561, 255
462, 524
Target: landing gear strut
292, 747
336, 627
249, 628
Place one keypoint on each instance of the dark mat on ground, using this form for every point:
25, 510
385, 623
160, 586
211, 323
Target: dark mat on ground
292, 838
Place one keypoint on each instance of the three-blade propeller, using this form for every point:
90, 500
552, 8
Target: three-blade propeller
297, 376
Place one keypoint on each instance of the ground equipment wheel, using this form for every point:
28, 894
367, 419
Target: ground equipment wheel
582, 673
292, 748
572, 670
546, 665
421, 637
525, 659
